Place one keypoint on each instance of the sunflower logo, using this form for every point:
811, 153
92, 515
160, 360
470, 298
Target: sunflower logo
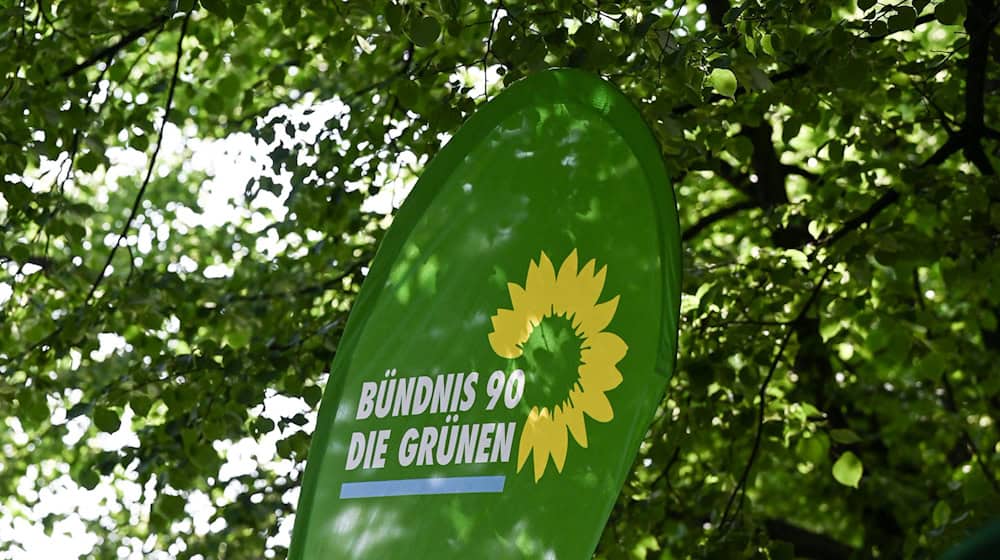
570, 296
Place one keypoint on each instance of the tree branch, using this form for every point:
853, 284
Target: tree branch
740, 489
486, 53
969, 138
952, 406
717, 8
313, 289
808, 544
152, 162
113, 49
926, 18
40, 261
78, 133
979, 25
769, 191
720, 214
889, 198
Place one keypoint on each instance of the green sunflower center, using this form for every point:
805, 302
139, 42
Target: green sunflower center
552, 357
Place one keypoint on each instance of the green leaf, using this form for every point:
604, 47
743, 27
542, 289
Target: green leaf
865, 5
835, 149
88, 162
141, 404
89, 479
237, 11
170, 505
229, 85
904, 18
845, 436
79, 409
760, 80
203, 455
263, 425
751, 43
394, 17
425, 31
950, 12
767, 43
941, 514
139, 142
798, 258
35, 407
408, 94
312, 395
813, 449
724, 81
779, 550
107, 420
217, 7
291, 15
277, 75
848, 469
215, 104
740, 146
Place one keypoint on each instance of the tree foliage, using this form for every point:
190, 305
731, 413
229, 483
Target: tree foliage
836, 391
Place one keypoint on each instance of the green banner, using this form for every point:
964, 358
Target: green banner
510, 344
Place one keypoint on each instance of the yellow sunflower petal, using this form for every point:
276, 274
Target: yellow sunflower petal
540, 288
603, 349
593, 320
594, 283
516, 295
567, 270
599, 378
566, 286
510, 329
557, 438
528, 433
574, 293
594, 404
543, 442
570, 289
573, 417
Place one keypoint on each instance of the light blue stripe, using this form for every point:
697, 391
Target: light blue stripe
422, 486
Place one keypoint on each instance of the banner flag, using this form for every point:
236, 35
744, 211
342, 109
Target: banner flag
510, 344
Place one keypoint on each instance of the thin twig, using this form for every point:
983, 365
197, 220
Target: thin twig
740, 489
75, 144
952, 405
489, 47
152, 162
113, 49
711, 218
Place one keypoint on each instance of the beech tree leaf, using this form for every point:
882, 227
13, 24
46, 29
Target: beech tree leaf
941, 514
217, 7
848, 469
425, 31
724, 81
950, 12
841, 435
106, 420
